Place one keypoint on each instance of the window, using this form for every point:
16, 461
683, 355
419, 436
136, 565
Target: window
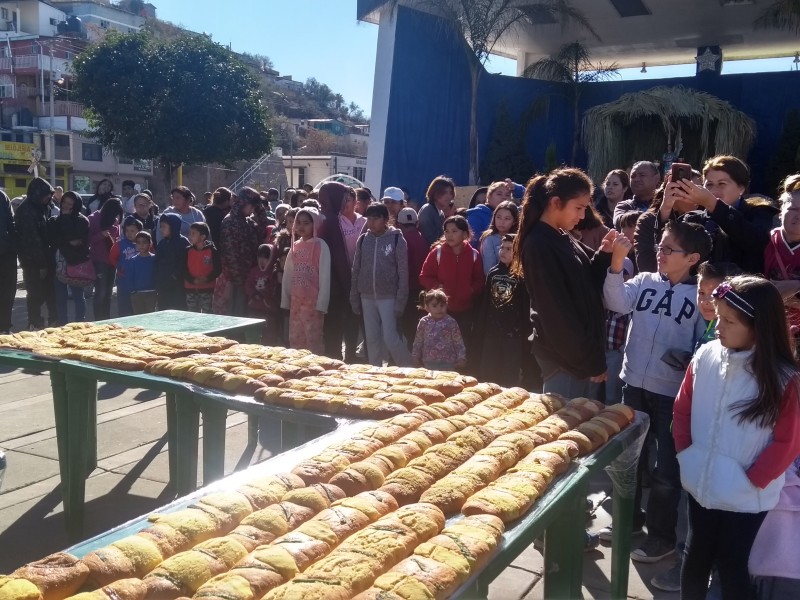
124, 161
6, 91
4, 14
53, 21
301, 176
92, 152
359, 173
62, 141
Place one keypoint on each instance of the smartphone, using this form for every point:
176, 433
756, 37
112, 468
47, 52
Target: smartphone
681, 171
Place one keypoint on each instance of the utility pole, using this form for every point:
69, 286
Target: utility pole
52, 129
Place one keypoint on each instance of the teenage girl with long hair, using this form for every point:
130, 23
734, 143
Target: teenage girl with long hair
737, 429
564, 279
505, 221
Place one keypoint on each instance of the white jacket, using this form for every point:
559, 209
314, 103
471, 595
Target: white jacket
713, 467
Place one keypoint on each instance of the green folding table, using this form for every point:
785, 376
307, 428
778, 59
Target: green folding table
74, 388
181, 321
558, 515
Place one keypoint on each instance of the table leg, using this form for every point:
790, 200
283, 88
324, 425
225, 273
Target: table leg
172, 438
187, 432
91, 429
214, 417
563, 550
252, 334
60, 410
252, 430
622, 517
79, 393
290, 435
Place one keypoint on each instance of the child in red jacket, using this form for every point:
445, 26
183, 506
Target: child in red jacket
203, 266
456, 267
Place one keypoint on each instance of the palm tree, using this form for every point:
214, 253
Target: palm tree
571, 65
781, 14
481, 24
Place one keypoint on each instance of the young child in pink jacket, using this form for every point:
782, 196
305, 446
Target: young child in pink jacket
307, 283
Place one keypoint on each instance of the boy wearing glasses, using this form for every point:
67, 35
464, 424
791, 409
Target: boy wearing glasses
665, 325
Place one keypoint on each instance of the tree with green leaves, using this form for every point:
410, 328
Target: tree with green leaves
571, 65
481, 24
182, 100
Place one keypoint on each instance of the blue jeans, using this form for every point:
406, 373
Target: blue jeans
124, 306
614, 383
381, 332
665, 487
561, 382
63, 291
103, 288
721, 539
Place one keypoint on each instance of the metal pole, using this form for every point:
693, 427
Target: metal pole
291, 160
52, 130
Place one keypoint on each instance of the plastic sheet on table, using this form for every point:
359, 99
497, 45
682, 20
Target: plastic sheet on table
622, 470
281, 463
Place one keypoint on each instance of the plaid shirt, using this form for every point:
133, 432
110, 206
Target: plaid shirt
617, 329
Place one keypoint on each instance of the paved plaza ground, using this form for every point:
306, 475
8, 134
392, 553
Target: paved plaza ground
131, 479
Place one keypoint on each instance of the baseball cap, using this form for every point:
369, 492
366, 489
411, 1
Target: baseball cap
407, 216
395, 194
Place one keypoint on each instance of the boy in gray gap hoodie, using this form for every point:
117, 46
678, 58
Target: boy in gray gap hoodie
379, 286
665, 324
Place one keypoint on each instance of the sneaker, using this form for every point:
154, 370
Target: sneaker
669, 581
590, 541
606, 533
652, 551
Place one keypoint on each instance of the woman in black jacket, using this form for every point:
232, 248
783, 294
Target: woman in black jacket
69, 236
739, 227
564, 279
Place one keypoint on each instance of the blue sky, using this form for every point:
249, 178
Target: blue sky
322, 39
304, 38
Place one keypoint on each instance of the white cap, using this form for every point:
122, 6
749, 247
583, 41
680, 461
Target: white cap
395, 194
407, 216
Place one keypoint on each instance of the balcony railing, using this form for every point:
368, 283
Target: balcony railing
34, 62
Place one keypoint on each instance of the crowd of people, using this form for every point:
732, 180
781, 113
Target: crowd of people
654, 289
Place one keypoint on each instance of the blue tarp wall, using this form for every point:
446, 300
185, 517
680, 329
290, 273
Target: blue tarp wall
429, 105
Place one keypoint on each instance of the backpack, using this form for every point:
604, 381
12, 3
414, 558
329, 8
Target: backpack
439, 254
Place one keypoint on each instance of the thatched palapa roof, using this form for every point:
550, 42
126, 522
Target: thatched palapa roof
604, 126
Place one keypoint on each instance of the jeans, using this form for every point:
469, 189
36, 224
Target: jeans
665, 486
380, 331
40, 290
63, 291
103, 287
124, 306
8, 288
238, 300
614, 383
173, 297
561, 382
341, 326
721, 539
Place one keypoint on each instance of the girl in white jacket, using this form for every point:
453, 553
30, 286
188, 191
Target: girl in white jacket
737, 429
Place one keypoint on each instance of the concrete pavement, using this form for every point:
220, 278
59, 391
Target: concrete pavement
132, 475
